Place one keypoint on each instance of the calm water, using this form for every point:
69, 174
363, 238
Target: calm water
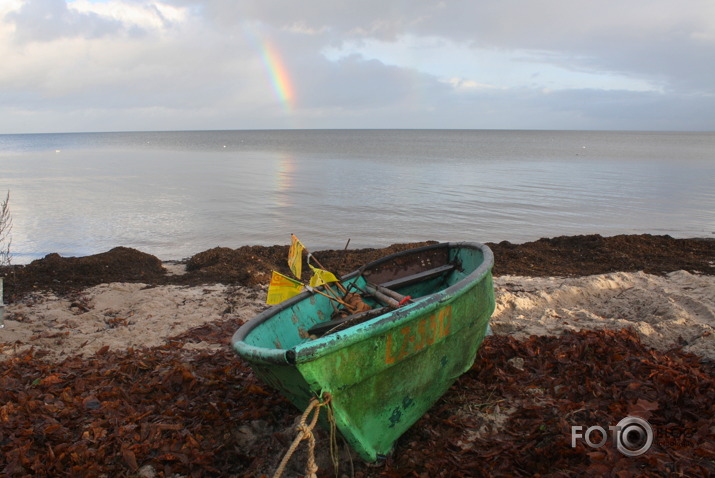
173, 194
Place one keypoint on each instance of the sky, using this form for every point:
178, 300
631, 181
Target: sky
124, 65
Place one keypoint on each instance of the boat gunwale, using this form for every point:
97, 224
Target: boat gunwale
324, 345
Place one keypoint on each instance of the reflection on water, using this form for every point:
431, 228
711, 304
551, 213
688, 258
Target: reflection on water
284, 179
175, 194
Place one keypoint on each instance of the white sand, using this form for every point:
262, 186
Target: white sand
678, 309
120, 315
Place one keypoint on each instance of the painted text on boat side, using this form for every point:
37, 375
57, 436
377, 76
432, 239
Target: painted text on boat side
418, 335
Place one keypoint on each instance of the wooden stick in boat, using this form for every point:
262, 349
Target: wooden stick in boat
327, 286
330, 291
310, 254
312, 289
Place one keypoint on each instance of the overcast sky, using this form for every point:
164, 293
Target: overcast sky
120, 65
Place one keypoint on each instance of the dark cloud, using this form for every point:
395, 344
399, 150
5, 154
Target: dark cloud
631, 110
46, 20
342, 19
359, 83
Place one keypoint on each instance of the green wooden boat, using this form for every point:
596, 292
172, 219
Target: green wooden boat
385, 372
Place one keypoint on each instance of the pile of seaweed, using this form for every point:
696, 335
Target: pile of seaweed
252, 265
168, 412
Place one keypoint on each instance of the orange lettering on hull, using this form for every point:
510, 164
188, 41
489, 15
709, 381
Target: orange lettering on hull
418, 335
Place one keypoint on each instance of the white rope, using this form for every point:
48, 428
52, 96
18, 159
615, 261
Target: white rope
305, 432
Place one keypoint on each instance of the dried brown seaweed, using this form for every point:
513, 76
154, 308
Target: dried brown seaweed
167, 412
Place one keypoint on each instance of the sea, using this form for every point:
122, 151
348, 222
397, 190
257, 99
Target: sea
176, 193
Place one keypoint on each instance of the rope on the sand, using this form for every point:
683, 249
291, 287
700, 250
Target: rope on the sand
305, 432
333, 442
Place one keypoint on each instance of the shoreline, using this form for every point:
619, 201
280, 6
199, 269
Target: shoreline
568, 256
32, 257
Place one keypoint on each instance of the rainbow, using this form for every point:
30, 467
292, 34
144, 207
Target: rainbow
279, 75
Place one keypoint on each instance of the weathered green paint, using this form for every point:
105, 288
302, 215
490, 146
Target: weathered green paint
383, 374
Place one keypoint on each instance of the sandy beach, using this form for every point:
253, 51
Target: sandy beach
676, 310
84, 316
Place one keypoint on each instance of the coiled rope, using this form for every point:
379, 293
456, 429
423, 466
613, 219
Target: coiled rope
305, 431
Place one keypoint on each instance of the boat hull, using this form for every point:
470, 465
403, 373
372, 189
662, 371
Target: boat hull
383, 374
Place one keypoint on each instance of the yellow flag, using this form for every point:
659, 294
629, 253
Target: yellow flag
321, 277
282, 288
295, 256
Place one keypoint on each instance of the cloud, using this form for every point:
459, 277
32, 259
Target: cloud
88, 60
196, 64
47, 20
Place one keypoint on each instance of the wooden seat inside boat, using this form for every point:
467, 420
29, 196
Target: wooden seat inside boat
418, 277
334, 325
